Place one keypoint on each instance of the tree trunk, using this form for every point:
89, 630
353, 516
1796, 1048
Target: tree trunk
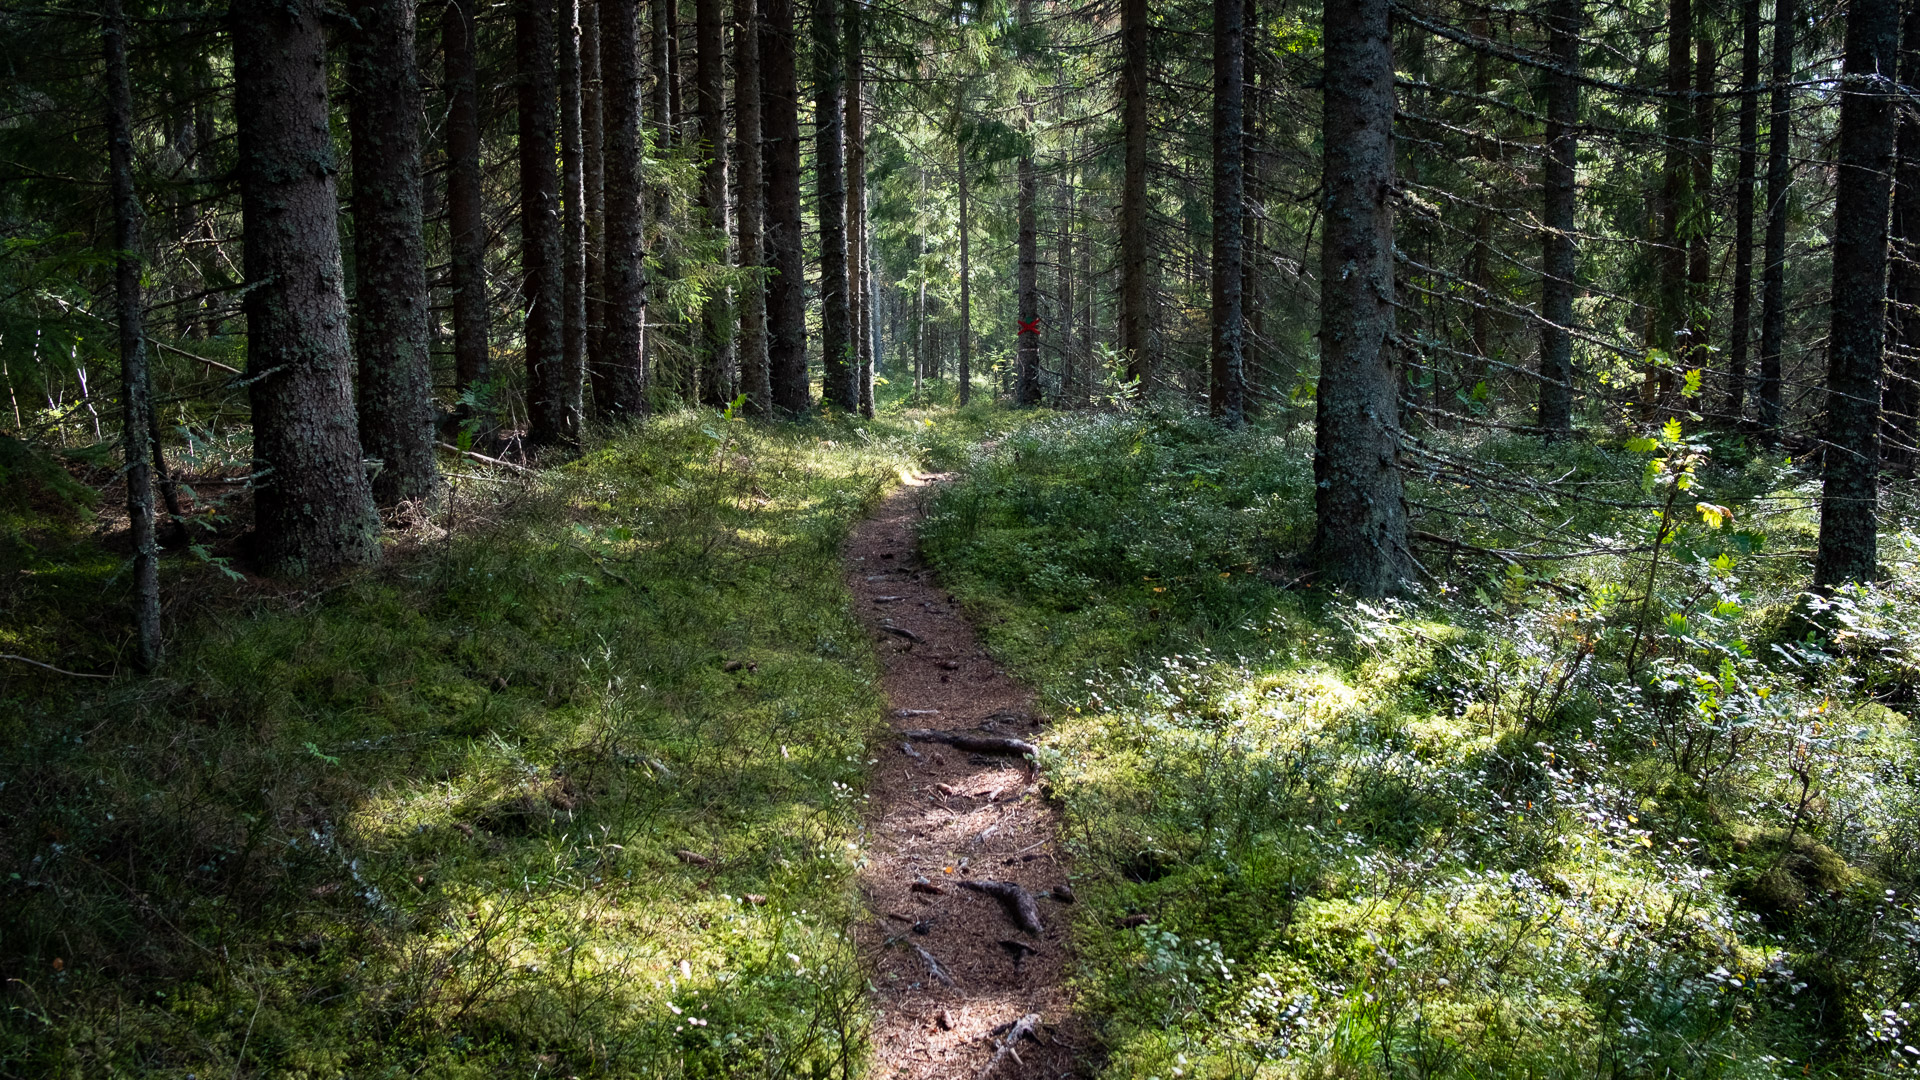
1360, 523
752, 207
858, 283
660, 45
1069, 358
1901, 397
136, 394
1773, 273
620, 373
593, 145
389, 253
1699, 220
787, 288
920, 302
1672, 306
466, 205
313, 510
1133, 190
1849, 518
569, 379
837, 366
1559, 257
716, 345
1026, 387
966, 281
1740, 330
1226, 398
541, 268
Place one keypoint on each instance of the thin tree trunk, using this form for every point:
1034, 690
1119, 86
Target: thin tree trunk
313, 510
593, 144
1026, 387
541, 264
676, 73
1901, 397
620, 373
568, 381
1699, 226
716, 346
965, 373
1740, 329
1133, 190
1069, 358
920, 302
390, 287
1773, 272
752, 206
1360, 522
1672, 305
466, 206
136, 394
858, 283
837, 365
1226, 398
1849, 499
659, 43
787, 289
1559, 257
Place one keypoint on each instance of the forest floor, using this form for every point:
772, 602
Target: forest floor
955, 971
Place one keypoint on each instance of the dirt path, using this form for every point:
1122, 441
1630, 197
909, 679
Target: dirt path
955, 970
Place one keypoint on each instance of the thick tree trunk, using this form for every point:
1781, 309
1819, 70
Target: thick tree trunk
751, 206
858, 283
313, 509
1360, 523
571, 377
1849, 517
1559, 257
1699, 225
466, 205
1900, 400
389, 253
1773, 271
1740, 328
1226, 398
1026, 386
716, 317
620, 373
541, 269
838, 369
593, 145
1133, 190
1671, 305
787, 288
136, 394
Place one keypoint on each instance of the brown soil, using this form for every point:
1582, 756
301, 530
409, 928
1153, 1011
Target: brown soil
940, 816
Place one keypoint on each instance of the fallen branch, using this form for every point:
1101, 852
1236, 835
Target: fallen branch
1018, 902
50, 667
477, 456
901, 631
933, 966
1023, 1028
979, 744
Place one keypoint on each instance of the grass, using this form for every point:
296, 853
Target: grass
574, 790
1521, 824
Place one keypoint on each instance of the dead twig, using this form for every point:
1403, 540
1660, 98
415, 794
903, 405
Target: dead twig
978, 744
50, 667
1023, 1028
933, 966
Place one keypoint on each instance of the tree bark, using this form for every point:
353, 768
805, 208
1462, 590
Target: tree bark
966, 279
1849, 517
1740, 328
660, 45
1559, 257
542, 287
313, 509
858, 284
1133, 190
1069, 351
838, 369
620, 374
716, 316
569, 380
1900, 399
1699, 223
751, 204
787, 289
1360, 523
594, 180
136, 394
1226, 399
1773, 272
1672, 305
1026, 387
389, 253
466, 206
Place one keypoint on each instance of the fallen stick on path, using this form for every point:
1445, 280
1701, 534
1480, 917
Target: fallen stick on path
1023, 1028
1018, 902
933, 966
978, 744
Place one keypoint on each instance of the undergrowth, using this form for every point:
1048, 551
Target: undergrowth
572, 790
1534, 820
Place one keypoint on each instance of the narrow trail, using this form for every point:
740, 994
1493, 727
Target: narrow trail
956, 973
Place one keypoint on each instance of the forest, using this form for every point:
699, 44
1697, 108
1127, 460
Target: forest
960, 538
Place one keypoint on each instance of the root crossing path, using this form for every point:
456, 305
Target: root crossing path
967, 904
